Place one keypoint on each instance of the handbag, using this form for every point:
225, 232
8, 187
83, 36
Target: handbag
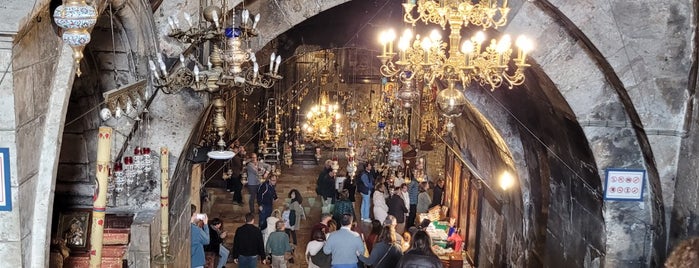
321, 259
384, 256
292, 217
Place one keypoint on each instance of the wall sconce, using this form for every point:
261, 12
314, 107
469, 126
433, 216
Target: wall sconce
506, 180
130, 97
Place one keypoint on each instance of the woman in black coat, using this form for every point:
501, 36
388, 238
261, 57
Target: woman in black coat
351, 186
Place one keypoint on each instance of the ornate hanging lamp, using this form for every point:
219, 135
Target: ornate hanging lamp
76, 18
451, 103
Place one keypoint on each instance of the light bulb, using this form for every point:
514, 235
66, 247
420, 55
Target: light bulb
426, 43
504, 44
391, 35
435, 35
524, 43
467, 47
479, 37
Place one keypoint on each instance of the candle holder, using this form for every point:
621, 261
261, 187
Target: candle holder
164, 258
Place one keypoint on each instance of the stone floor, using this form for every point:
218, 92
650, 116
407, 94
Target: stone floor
299, 177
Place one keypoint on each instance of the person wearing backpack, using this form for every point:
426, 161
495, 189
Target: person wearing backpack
365, 186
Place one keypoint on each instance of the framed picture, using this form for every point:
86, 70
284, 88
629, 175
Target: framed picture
74, 227
5, 194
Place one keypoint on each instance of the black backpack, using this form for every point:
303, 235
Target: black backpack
292, 217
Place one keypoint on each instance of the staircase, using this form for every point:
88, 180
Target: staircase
306, 157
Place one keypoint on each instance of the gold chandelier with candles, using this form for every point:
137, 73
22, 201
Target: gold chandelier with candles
322, 121
473, 60
485, 14
428, 58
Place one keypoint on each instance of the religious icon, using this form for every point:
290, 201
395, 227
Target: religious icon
73, 228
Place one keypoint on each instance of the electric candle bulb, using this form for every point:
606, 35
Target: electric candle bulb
426, 44
467, 48
435, 36
188, 18
255, 69
176, 21
214, 16
245, 16
196, 73
271, 62
524, 45
278, 62
171, 23
151, 65
504, 44
257, 19
182, 59
163, 68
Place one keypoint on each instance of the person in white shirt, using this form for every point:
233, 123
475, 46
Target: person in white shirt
314, 246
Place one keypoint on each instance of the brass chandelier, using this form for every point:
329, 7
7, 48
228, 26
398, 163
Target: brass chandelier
231, 62
322, 121
485, 14
429, 59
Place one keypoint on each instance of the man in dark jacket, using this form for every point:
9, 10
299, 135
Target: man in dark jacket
396, 208
247, 244
327, 191
266, 195
323, 173
438, 194
234, 183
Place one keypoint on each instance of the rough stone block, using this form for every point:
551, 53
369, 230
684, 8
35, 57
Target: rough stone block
107, 61
140, 259
23, 96
29, 139
141, 232
26, 49
72, 173
12, 254
27, 199
7, 100
42, 74
73, 149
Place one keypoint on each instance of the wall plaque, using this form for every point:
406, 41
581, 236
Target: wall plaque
624, 184
5, 194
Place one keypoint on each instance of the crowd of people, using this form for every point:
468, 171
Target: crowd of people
388, 209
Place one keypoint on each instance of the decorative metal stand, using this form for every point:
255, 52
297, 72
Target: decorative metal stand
164, 258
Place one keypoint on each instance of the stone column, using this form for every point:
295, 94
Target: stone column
104, 145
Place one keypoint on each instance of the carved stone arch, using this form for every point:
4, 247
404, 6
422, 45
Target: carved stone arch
587, 72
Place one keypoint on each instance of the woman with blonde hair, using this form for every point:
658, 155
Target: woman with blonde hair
271, 221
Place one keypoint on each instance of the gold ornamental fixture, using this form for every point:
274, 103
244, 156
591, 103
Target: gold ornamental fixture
219, 124
322, 121
231, 62
427, 58
487, 14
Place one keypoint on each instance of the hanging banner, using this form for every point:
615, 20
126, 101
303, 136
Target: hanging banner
624, 184
5, 195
